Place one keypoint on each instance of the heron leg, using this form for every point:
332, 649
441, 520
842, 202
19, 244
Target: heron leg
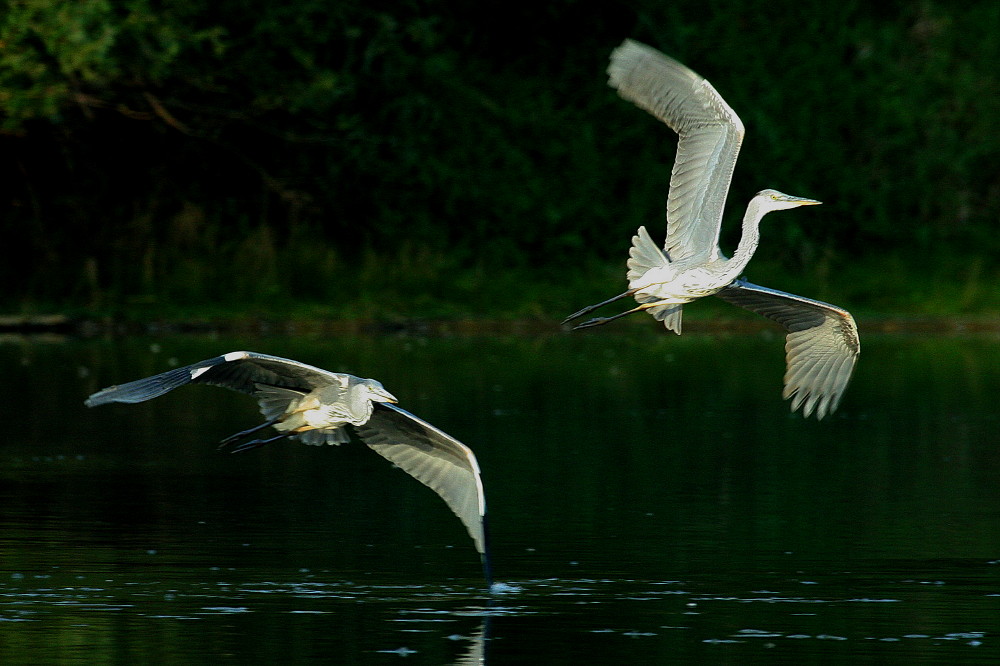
591, 308
597, 321
256, 443
248, 431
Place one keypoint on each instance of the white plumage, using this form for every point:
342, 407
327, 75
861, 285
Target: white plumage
822, 343
317, 406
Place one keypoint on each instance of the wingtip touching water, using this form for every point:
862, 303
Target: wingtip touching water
316, 406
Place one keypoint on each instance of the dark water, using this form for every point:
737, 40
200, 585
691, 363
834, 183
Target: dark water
651, 498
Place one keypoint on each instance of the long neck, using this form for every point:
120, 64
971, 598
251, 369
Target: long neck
748, 241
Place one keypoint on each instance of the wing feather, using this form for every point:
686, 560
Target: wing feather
430, 455
434, 458
240, 371
821, 345
644, 255
709, 138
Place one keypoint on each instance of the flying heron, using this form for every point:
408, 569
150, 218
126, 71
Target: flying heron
315, 406
822, 344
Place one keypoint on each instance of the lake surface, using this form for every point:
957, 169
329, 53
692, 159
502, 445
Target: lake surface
651, 500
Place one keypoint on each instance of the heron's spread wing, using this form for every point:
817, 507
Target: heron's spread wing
821, 347
710, 134
241, 371
434, 458
148, 387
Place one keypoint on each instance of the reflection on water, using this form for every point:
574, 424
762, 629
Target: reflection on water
58, 616
651, 498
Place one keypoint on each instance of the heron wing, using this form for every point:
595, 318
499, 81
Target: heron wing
240, 371
709, 138
821, 346
436, 459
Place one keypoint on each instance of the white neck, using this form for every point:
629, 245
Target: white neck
748, 241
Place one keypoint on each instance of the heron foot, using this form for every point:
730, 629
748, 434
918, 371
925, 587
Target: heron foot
248, 431
578, 314
229, 443
591, 308
590, 323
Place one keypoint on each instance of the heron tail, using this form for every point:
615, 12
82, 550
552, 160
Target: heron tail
670, 315
644, 255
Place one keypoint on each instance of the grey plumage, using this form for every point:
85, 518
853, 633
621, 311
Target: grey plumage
709, 138
822, 345
316, 406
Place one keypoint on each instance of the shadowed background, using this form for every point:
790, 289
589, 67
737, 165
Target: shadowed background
434, 159
650, 496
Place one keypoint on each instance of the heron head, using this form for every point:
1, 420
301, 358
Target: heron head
377, 392
775, 200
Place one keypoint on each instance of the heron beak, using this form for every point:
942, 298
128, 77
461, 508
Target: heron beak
808, 202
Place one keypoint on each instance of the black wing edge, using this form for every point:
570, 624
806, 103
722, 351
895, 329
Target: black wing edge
239, 371
775, 305
484, 556
147, 388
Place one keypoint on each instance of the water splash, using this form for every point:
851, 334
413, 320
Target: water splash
504, 588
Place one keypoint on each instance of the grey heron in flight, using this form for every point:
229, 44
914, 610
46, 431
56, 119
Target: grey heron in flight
315, 406
822, 342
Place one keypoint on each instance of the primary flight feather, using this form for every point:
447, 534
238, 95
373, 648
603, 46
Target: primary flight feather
316, 406
822, 344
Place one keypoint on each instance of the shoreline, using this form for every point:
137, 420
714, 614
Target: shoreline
87, 327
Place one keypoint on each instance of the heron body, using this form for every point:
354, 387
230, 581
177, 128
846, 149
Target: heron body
316, 406
324, 411
822, 345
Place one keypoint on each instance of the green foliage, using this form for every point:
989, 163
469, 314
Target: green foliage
404, 158
49, 50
